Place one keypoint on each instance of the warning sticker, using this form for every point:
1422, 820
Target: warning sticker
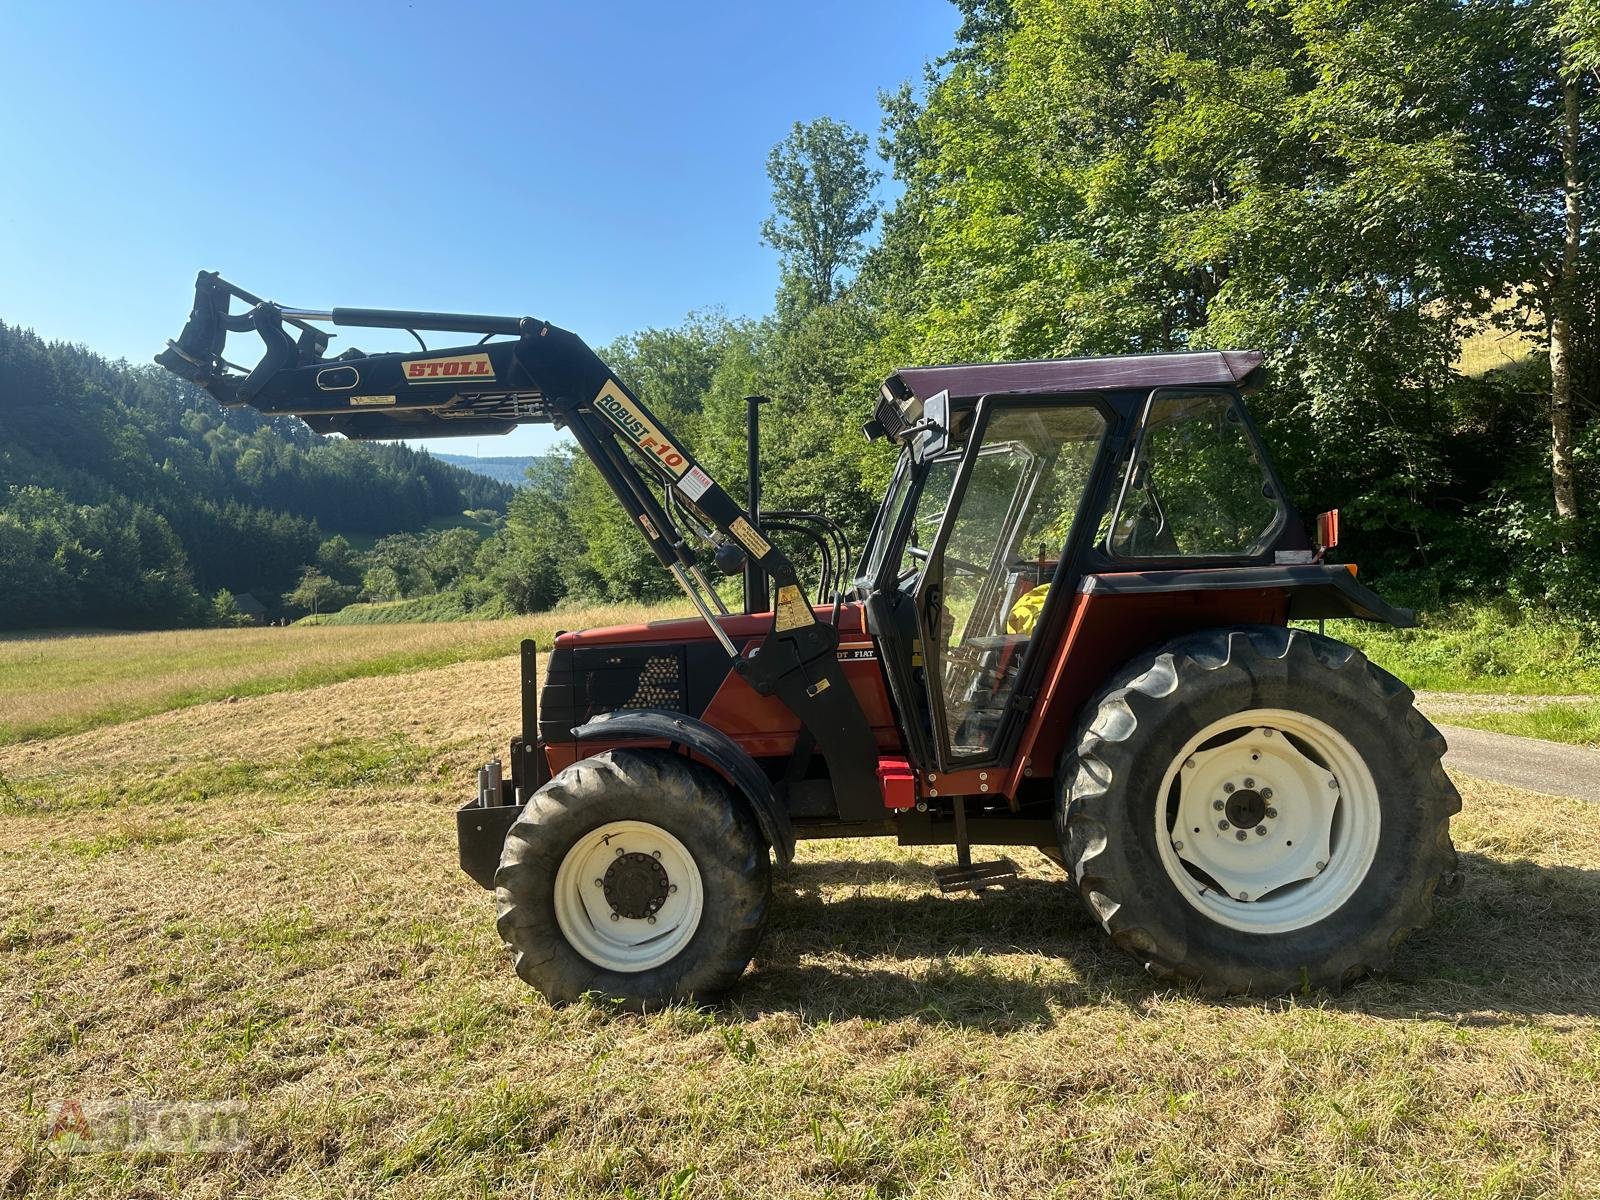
792, 612
749, 538
695, 484
370, 401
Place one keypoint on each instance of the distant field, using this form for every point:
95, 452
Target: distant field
260, 902
51, 685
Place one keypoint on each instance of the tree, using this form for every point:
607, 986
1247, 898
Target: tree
225, 611
316, 591
337, 559
1577, 39
822, 205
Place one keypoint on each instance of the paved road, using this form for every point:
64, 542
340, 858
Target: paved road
1538, 766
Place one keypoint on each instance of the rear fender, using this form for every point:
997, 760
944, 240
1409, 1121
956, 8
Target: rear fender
1315, 590
718, 751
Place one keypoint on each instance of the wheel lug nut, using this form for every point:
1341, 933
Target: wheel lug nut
1244, 895
1322, 866
651, 920
671, 887
1271, 812
1248, 782
1177, 845
1334, 784
621, 852
1266, 793
1188, 764
655, 853
1218, 805
1261, 831
1241, 835
1222, 825
1227, 787
616, 917
599, 883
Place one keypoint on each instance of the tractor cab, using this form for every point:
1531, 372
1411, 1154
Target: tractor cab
1019, 481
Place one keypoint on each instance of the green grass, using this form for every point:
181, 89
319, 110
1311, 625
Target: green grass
445, 606
58, 684
1483, 648
302, 941
260, 903
1576, 724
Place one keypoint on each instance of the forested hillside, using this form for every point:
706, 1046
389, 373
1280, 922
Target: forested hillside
129, 498
512, 469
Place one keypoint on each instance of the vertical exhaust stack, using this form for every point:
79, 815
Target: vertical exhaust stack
756, 596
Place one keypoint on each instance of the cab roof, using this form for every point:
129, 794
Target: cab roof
969, 381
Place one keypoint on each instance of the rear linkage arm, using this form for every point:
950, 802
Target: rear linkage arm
546, 375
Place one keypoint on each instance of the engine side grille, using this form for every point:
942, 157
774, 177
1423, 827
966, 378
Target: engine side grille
591, 680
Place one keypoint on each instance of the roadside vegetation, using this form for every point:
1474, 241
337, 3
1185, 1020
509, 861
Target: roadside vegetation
261, 900
1484, 647
1577, 724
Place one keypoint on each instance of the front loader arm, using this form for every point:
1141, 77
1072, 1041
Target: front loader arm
545, 374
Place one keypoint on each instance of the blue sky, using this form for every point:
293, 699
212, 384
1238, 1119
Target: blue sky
599, 165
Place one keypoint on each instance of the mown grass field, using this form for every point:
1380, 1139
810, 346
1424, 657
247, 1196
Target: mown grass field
259, 901
55, 684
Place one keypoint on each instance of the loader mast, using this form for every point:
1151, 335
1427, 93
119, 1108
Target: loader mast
545, 375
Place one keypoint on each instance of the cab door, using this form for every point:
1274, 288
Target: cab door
995, 561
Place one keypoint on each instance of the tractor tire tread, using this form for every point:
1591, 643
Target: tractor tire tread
1111, 739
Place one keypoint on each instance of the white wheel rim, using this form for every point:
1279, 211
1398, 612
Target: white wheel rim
1311, 817
628, 896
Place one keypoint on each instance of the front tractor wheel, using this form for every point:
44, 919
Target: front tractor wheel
1258, 809
635, 875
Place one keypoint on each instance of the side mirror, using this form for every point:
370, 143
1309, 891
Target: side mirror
934, 439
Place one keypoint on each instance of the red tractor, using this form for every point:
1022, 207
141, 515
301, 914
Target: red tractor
1068, 629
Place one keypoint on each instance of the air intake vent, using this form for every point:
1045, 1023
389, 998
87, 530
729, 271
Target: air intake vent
607, 680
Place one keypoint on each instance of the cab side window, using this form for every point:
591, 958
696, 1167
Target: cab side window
1195, 487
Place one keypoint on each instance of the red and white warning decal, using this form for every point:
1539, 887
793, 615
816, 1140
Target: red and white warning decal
462, 368
627, 416
695, 484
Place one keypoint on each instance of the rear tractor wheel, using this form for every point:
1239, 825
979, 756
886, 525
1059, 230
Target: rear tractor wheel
1258, 809
636, 875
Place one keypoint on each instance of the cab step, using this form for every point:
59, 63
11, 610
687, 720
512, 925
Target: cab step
975, 876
